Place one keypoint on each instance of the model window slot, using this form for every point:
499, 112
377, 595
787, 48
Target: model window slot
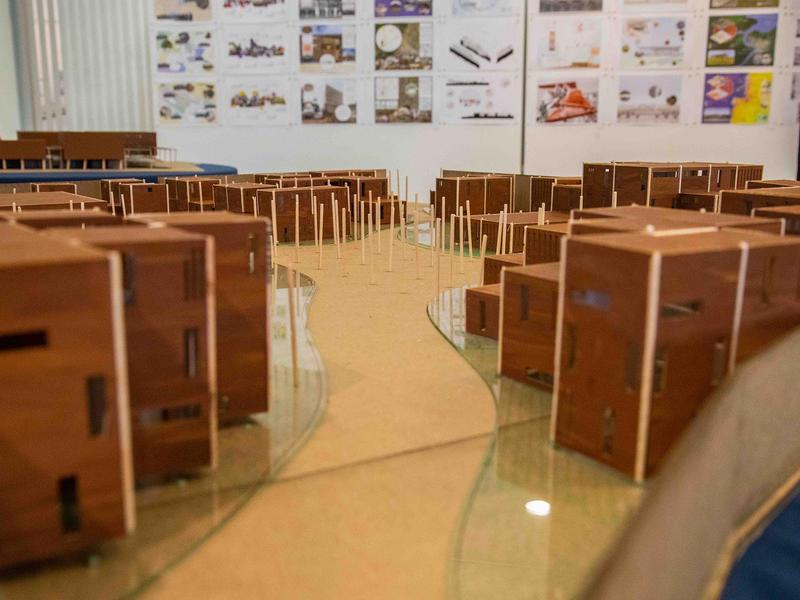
665, 174
768, 281
22, 340
96, 398
642, 182
719, 361
252, 243
155, 416
482, 315
696, 173
633, 369
609, 430
129, 278
539, 376
68, 504
194, 275
190, 352
659, 370
681, 309
591, 298
524, 302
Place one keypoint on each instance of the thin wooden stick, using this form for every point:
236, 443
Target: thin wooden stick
511, 239
460, 239
452, 245
391, 237
497, 248
416, 235
444, 221
336, 226
432, 236
525, 246
344, 220
363, 241
293, 328
315, 214
436, 231
274, 216
371, 250
406, 194
378, 224
505, 222
321, 223
297, 228
113, 206
469, 231
484, 239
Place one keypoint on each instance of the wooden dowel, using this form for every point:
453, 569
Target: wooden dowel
274, 218
363, 241
461, 239
469, 231
444, 221
525, 246
293, 328
391, 237
321, 223
371, 250
378, 223
297, 228
452, 245
484, 239
344, 221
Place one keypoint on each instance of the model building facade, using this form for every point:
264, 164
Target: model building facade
65, 472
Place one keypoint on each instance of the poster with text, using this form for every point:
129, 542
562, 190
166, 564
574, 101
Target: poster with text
550, 6
567, 101
649, 99
744, 3
254, 10
741, 40
187, 103
404, 99
485, 8
257, 102
480, 45
331, 101
328, 48
183, 11
656, 42
567, 43
403, 8
403, 46
256, 49
479, 99
738, 98
185, 52
327, 9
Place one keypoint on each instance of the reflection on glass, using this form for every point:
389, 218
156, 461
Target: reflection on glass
174, 517
503, 548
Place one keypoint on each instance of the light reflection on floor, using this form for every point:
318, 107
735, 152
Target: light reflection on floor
174, 518
501, 549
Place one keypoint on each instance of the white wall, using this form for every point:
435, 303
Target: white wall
9, 99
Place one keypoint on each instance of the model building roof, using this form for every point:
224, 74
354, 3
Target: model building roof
774, 192
635, 211
779, 211
24, 247
111, 235
676, 243
548, 271
40, 216
195, 218
38, 198
525, 218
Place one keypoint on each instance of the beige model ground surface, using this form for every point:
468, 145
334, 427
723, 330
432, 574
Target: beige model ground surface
368, 508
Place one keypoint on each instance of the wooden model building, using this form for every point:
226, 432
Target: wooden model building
543, 190
65, 470
143, 197
239, 197
308, 200
168, 291
566, 197
640, 346
744, 202
708, 177
109, 188
22, 154
528, 323
486, 195
543, 242
482, 307
494, 265
772, 183
48, 201
789, 213
515, 223
650, 184
63, 186
243, 281
191, 193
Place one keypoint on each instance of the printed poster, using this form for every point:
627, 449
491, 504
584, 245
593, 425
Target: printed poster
327, 9
481, 44
257, 102
741, 40
738, 98
185, 52
328, 48
744, 3
479, 99
183, 11
332, 101
404, 99
653, 42
403, 46
254, 10
256, 49
405, 8
567, 43
649, 99
550, 6
567, 101
187, 103
485, 8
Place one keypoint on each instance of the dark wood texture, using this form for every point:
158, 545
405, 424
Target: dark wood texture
482, 306
48, 201
493, 265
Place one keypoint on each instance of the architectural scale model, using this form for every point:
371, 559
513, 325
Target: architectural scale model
65, 472
48, 201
